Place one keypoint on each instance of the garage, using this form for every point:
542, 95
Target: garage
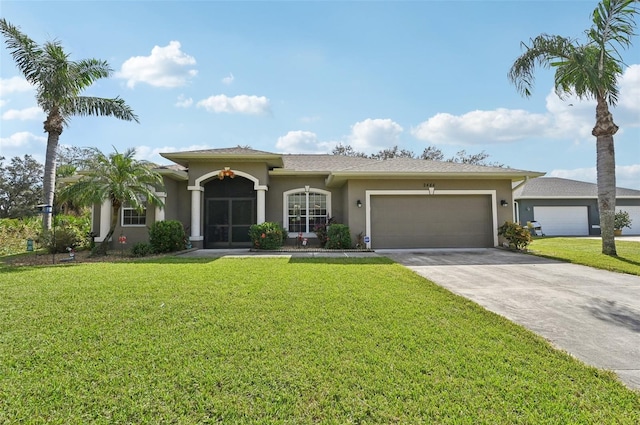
431, 221
634, 215
563, 221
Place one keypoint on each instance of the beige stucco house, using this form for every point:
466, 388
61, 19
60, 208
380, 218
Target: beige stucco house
396, 203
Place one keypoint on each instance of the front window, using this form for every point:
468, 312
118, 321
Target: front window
133, 217
305, 210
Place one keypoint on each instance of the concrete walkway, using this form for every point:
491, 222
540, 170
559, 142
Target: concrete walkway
592, 314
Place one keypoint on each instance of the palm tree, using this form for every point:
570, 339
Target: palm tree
119, 178
589, 71
59, 83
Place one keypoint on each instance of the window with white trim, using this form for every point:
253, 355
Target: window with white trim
305, 210
133, 217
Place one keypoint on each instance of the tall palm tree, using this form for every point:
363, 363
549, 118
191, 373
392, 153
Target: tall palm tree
119, 178
59, 83
589, 71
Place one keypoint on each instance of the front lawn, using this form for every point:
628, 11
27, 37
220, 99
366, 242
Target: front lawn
272, 340
588, 252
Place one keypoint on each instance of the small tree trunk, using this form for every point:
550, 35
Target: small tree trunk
115, 214
606, 169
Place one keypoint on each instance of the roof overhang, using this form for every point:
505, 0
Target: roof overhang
178, 175
338, 179
184, 158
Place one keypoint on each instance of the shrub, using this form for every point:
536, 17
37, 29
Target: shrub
141, 249
69, 232
267, 235
321, 231
167, 236
14, 233
338, 237
621, 219
518, 236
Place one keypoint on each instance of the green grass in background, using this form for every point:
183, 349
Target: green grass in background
588, 252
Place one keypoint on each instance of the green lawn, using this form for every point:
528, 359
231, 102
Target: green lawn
264, 340
588, 252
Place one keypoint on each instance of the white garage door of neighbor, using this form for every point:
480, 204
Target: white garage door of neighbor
634, 215
562, 221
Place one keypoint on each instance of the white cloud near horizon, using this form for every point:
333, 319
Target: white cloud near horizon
372, 135
564, 118
14, 85
166, 66
627, 176
303, 142
242, 104
26, 114
19, 140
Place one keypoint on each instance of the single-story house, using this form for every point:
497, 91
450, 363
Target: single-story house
396, 203
566, 207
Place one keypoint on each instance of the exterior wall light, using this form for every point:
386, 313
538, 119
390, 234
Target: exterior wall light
504, 203
359, 203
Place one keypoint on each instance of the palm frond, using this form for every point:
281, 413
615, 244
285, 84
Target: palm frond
97, 106
25, 52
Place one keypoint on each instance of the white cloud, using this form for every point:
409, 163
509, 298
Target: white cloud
627, 176
19, 140
628, 110
166, 67
228, 79
32, 113
242, 104
14, 85
567, 118
480, 127
2, 103
372, 135
183, 102
302, 142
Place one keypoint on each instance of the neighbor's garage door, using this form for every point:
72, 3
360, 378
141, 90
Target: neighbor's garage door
634, 215
562, 221
431, 221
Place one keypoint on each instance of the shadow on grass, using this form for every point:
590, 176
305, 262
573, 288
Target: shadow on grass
361, 261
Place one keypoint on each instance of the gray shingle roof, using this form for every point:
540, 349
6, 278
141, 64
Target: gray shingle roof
554, 187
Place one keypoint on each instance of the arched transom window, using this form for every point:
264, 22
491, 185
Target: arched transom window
304, 209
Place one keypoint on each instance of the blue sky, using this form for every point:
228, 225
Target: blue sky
301, 77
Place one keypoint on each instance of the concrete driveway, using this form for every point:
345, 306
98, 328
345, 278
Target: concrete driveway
592, 314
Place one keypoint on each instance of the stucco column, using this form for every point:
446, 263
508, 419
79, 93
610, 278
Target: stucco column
159, 209
196, 196
261, 208
105, 220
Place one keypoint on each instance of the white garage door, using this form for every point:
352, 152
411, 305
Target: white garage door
562, 221
634, 214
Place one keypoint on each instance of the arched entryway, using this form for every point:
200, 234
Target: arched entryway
229, 211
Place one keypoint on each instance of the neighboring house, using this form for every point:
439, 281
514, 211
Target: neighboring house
565, 207
397, 203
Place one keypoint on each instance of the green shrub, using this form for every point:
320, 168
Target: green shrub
267, 235
14, 233
338, 237
141, 249
167, 236
518, 236
621, 219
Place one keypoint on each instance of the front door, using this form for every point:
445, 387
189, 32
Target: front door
227, 222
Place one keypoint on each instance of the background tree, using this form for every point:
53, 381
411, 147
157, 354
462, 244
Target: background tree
120, 178
347, 150
589, 71
393, 152
431, 153
59, 83
74, 158
20, 187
